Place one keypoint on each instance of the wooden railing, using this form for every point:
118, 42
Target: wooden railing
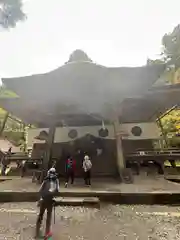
156, 153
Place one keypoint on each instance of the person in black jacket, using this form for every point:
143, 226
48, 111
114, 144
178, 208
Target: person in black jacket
48, 190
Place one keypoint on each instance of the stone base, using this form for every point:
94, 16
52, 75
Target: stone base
86, 198
126, 176
144, 190
78, 201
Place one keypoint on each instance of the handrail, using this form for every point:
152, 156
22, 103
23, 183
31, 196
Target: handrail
154, 153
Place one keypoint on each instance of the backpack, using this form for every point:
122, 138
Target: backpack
88, 164
50, 188
69, 164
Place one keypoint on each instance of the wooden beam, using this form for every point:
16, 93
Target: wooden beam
167, 112
15, 119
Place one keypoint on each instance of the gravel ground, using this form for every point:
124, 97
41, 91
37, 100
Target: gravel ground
110, 222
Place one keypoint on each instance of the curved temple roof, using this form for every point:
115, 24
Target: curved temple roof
85, 84
80, 87
131, 110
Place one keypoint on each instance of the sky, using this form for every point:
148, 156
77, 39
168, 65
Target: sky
111, 32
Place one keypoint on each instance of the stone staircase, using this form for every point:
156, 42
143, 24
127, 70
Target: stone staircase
78, 201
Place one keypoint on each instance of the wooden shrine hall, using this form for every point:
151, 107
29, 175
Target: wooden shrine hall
82, 96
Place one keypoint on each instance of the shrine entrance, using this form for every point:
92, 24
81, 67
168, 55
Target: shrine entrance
101, 151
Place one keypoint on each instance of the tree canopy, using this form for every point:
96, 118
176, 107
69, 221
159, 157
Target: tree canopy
10, 13
171, 126
171, 47
170, 53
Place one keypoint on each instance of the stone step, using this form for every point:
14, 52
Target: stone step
78, 201
173, 178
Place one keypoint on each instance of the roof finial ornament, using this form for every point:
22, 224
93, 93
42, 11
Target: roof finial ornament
79, 55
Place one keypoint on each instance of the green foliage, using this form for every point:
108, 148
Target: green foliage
6, 93
17, 138
10, 13
171, 122
171, 56
156, 61
14, 127
171, 126
171, 47
14, 131
170, 50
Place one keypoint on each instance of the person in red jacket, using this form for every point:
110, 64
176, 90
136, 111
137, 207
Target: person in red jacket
70, 170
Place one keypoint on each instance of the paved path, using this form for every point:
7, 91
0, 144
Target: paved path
141, 184
110, 222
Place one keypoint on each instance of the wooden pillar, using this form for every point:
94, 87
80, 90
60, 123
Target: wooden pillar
120, 156
48, 152
25, 136
50, 142
124, 173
